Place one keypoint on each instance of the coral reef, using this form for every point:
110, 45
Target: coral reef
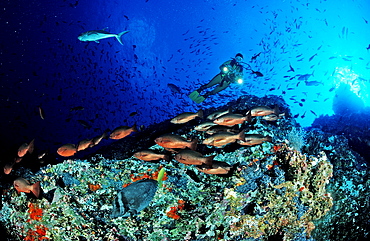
285, 207
275, 190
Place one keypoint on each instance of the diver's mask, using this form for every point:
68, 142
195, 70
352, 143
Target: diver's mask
238, 59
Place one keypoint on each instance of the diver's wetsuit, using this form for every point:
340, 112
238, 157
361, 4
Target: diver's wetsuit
231, 70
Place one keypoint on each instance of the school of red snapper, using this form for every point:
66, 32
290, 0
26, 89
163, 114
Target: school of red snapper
220, 128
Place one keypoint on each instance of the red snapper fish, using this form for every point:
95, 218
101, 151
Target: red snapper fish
22, 185
96, 140
204, 126
149, 155
67, 150
218, 114
264, 110
273, 117
171, 141
254, 139
191, 157
122, 131
84, 144
24, 148
218, 167
224, 138
8, 167
186, 117
232, 119
218, 129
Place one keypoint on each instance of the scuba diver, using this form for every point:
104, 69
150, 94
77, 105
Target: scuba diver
231, 72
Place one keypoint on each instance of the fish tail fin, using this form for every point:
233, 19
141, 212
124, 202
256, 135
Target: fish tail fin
106, 134
193, 144
268, 138
134, 128
276, 110
36, 189
241, 135
248, 116
200, 113
166, 157
31, 146
209, 160
18, 159
229, 110
118, 36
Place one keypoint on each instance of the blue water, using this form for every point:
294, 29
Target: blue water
171, 42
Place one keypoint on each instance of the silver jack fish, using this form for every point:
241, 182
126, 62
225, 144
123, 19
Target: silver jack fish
96, 35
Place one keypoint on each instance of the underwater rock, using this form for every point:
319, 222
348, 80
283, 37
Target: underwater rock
353, 126
346, 102
134, 198
69, 180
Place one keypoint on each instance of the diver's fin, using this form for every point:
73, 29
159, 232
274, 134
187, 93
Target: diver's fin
199, 99
194, 95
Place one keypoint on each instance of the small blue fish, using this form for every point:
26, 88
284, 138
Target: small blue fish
313, 83
257, 73
304, 77
174, 88
311, 58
